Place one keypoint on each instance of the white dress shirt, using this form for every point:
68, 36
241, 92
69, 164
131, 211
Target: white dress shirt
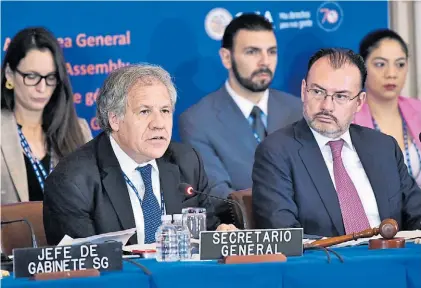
246, 105
128, 166
355, 171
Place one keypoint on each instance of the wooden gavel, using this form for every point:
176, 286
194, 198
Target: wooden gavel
387, 229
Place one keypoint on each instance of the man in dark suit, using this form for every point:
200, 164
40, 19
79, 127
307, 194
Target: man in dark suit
323, 173
127, 176
227, 125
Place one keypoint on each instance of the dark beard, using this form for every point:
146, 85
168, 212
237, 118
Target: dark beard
248, 82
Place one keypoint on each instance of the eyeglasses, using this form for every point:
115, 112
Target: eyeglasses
339, 98
33, 79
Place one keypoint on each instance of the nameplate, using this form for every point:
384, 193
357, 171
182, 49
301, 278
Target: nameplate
103, 257
218, 244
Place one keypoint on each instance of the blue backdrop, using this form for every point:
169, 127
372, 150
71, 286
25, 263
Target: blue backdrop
184, 37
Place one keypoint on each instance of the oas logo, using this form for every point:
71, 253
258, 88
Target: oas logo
216, 21
329, 16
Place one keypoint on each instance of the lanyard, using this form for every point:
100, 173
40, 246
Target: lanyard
36, 164
138, 196
405, 140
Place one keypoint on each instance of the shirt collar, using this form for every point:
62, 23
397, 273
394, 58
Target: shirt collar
323, 140
246, 105
127, 164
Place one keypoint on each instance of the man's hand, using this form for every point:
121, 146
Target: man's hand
226, 227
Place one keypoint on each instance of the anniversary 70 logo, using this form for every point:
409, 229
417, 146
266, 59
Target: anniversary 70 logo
329, 16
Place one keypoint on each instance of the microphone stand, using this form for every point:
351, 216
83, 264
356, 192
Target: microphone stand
33, 238
232, 202
6, 263
187, 190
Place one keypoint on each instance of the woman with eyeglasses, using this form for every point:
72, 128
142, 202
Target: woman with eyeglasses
386, 57
39, 124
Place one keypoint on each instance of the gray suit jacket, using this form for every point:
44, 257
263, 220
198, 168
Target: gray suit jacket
218, 130
14, 181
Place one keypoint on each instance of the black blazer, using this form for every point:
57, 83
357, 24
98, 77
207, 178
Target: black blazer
86, 194
292, 186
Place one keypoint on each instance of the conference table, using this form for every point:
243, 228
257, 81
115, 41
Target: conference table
361, 267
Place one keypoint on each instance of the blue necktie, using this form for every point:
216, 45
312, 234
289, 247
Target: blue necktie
257, 125
150, 206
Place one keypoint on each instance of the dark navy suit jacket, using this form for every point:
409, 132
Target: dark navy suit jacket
221, 134
86, 194
292, 186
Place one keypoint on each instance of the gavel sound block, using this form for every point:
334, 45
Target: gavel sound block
387, 229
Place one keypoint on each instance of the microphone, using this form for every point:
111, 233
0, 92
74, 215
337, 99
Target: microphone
187, 190
33, 238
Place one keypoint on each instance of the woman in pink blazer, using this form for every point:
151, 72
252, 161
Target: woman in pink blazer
386, 57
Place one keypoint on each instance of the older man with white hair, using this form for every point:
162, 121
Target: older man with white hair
127, 176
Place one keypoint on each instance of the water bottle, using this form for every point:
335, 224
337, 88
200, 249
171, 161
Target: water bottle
183, 233
166, 241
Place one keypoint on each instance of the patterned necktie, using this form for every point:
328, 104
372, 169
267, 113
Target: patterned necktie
150, 206
257, 125
353, 214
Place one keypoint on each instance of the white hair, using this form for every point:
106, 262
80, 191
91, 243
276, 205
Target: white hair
112, 96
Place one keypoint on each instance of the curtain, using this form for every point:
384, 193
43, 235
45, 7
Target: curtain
417, 42
403, 20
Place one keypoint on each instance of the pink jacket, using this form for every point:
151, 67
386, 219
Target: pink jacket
411, 111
